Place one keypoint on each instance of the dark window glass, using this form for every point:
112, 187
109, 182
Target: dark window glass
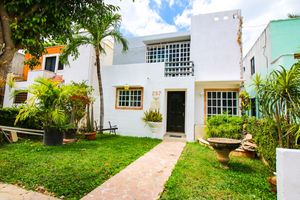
60, 65
50, 63
252, 65
253, 107
20, 97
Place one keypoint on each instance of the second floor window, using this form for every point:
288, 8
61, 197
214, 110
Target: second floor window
51, 63
252, 65
177, 53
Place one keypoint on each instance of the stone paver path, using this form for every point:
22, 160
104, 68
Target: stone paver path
143, 179
12, 192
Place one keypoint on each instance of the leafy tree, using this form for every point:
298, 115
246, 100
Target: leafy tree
31, 24
98, 26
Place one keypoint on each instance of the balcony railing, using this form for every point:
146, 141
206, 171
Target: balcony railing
179, 69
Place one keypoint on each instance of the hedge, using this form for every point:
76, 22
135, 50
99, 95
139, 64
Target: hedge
8, 117
225, 126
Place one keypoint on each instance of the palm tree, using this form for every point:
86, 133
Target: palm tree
103, 23
291, 15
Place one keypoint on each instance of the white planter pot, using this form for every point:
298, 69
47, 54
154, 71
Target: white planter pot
155, 127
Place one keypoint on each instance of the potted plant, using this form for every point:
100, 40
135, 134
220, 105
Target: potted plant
224, 134
153, 119
79, 97
47, 103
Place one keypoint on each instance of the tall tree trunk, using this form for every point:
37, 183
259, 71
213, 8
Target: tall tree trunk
7, 47
100, 87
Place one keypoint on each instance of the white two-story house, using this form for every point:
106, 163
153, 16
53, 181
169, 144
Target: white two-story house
193, 75
188, 76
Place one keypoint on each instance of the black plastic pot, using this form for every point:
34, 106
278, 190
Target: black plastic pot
70, 133
53, 136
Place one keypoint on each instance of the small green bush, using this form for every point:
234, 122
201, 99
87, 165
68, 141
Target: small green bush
152, 116
265, 135
225, 127
8, 117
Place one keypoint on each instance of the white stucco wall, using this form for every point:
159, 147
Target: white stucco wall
151, 78
261, 51
214, 47
288, 174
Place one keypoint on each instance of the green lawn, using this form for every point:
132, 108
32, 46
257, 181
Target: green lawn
70, 170
198, 175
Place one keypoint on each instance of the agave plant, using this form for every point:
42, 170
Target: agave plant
152, 116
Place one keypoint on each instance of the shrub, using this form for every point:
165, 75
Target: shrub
152, 116
265, 135
225, 127
8, 117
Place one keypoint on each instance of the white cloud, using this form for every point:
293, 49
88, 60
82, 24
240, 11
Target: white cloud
139, 19
256, 14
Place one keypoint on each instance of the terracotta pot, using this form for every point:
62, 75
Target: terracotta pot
70, 133
223, 147
273, 182
90, 136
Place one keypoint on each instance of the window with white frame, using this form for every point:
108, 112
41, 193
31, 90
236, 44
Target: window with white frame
222, 102
177, 53
129, 99
52, 63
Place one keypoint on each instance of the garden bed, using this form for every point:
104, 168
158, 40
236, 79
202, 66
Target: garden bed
71, 170
198, 175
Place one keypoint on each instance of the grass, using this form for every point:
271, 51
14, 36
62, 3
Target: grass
70, 170
198, 175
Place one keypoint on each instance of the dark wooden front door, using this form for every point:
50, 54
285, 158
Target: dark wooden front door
176, 112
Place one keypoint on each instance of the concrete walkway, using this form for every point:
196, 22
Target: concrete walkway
143, 179
12, 192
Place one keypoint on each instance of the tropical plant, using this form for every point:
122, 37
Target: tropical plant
278, 97
245, 102
46, 102
78, 97
152, 116
225, 126
98, 26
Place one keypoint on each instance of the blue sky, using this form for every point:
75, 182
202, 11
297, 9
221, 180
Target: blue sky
147, 17
169, 12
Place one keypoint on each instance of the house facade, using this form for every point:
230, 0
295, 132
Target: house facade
188, 76
278, 45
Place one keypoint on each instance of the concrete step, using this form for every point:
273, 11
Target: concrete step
175, 137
